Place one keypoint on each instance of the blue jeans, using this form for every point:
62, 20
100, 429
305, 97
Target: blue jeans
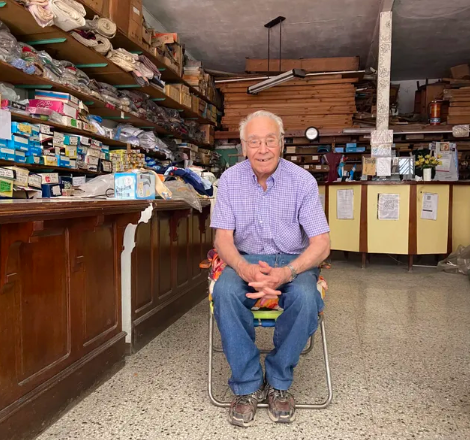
301, 303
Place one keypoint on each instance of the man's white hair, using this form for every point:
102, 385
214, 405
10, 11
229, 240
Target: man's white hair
259, 114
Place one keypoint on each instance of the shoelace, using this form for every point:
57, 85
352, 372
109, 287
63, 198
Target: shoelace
280, 394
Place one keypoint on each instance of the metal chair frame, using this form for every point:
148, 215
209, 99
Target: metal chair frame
260, 317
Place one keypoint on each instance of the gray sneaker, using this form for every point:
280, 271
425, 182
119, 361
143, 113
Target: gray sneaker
242, 410
281, 406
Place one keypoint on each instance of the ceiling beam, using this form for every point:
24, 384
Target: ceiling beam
373, 57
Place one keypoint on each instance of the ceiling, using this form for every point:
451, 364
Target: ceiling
429, 36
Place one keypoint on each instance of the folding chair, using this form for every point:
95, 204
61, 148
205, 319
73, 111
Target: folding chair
267, 318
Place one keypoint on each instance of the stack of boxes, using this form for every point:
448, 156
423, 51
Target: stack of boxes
64, 104
179, 93
123, 160
173, 55
42, 144
209, 133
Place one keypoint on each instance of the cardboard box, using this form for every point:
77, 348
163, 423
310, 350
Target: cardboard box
209, 133
59, 107
66, 98
21, 176
160, 39
173, 92
98, 6
49, 177
6, 188
147, 35
127, 14
195, 103
134, 186
462, 71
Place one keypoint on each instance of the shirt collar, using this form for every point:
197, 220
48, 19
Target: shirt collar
272, 178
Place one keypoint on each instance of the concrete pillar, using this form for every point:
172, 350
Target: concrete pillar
384, 68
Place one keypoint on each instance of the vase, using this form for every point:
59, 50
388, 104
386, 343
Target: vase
427, 173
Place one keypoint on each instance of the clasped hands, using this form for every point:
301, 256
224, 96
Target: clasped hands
264, 279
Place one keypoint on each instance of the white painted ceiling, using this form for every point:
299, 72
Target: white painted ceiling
429, 36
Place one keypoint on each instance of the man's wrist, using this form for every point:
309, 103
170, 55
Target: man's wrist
292, 273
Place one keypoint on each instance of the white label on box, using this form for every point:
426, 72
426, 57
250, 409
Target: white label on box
20, 140
20, 153
293, 158
306, 167
93, 152
7, 151
107, 166
50, 178
84, 140
56, 190
77, 181
95, 143
45, 129
318, 167
35, 181
6, 173
21, 177
91, 160
290, 150
314, 157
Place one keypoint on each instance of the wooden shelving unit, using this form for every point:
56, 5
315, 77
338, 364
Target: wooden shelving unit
62, 45
17, 77
168, 74
46, 168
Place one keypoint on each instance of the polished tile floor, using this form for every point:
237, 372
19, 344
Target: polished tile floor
400, 356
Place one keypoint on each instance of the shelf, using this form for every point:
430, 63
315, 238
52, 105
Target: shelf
45, 168
168, 74
17, 77
107, 141
61, 45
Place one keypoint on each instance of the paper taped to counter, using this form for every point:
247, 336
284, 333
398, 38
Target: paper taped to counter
388, 207
345, 204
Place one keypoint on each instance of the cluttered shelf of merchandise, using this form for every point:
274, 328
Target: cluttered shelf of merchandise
124, 75
14, 76
169, 74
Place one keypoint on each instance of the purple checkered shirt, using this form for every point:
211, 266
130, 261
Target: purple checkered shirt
279, 220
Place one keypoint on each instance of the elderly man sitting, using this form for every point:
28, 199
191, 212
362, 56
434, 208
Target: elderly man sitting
272, 233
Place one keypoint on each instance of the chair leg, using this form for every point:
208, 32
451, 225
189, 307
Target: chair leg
329, 398
215, 401
322, 405
309, 347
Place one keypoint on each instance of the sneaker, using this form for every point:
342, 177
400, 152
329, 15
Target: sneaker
242, 410
281, 406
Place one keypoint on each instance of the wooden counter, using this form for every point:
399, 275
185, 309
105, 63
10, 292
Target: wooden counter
166, 280
60, 301
410, 235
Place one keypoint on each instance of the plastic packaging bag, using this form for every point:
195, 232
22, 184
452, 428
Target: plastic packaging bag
101, 186
8, 92
457, 262
185, 192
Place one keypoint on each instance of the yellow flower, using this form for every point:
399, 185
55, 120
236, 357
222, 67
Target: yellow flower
439, 156
421, 160
417, 163
440, 162
426, 162
427, 156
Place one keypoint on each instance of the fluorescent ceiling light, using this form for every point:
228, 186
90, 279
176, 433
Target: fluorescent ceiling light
276, 80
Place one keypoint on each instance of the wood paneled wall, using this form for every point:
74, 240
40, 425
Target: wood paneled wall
60, 314
166, 279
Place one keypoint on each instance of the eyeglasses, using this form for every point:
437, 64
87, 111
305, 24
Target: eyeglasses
270, 142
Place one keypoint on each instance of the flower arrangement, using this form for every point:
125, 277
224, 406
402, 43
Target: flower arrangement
428, 161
